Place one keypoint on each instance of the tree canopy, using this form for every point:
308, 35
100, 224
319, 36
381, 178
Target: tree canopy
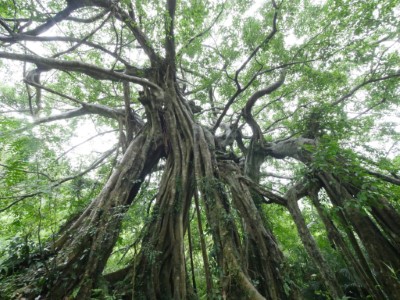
194, 149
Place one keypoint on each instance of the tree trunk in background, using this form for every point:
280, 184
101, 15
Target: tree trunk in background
360, 254
388, 219
206, 264
311, 247
361, 271
382, 254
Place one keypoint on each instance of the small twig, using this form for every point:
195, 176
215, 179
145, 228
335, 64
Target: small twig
28, 172
93, 166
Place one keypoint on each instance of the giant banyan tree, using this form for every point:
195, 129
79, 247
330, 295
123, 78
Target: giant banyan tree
229, 119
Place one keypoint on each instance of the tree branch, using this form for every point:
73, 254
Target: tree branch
274, 198
364, 83
88, 108
22, 37
85, 141
268, 174
139, 35
169, 33
301, 189
6, 27
25, 171
46, 64
88, 20
383, 100
200, 34
264, 42
60, 16
257, 134
94, 165
384, 177
232, 99
83, 39
293, 147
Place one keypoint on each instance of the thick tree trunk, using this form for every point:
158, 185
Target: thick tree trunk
83, 247
160, 267
160, 272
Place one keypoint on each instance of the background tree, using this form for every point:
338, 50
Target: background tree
223, 125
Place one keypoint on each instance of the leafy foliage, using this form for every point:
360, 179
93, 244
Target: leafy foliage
301, 97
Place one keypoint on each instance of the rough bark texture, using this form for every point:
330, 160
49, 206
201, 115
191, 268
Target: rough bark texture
381, 249
359, 266
160, 270
265, 265
388, 219
311, 247
204, 253
234, 279
384, 256
247, 260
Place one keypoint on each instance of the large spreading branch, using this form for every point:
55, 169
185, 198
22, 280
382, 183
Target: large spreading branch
45, 64
292, 147
130, 70
60, 16
85, 109
88, 20
88, 109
